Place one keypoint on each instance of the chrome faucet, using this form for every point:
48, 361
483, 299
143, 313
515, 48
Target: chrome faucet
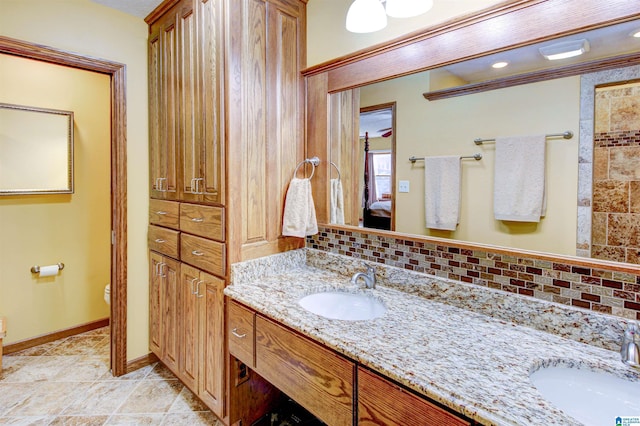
369, 277
630, 350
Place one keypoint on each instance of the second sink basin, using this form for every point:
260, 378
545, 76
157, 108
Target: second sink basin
343, 306
594, 398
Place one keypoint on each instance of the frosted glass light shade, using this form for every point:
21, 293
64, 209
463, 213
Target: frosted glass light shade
366, 16
408, 8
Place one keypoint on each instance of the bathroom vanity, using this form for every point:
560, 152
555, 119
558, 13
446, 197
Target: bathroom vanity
427, 358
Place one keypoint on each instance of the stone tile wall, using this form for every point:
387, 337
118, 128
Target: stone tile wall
616, 174
603, 290
587, 157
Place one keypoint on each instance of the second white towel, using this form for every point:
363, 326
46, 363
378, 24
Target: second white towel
519, 178
336, 203
442, 192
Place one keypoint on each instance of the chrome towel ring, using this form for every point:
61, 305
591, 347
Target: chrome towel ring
314, 161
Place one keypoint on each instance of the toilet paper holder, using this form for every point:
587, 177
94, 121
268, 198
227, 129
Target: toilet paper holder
36, 269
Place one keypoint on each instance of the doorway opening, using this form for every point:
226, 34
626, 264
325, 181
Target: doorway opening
117, 73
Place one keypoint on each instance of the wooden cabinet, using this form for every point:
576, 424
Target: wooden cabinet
380, 402
225, 88
201, 361
323, 381
163, 309
202, 144
164, 213
265, 113
241, 332
163, 240
163, 104
186, 102
315, 377
205, 221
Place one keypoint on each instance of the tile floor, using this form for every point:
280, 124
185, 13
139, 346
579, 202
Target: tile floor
67, 382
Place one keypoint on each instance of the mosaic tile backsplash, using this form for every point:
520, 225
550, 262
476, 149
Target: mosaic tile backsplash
600, 290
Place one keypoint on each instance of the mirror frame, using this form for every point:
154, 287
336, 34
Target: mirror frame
64, 115
506, 26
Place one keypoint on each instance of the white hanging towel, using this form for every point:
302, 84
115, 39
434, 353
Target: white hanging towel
299, 211
519, 178
336, 203
442, 192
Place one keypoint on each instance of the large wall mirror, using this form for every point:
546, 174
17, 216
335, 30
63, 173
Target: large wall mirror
36, 150
441, 111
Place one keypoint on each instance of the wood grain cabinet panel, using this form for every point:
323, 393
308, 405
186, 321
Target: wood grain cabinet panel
163, 105
240, 332
381, 402
205, 221
164, 274
201, 360
164, 213
204, 254
163, 240
315, 377
202, 144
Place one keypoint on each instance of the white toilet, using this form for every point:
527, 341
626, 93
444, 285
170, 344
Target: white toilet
107, 294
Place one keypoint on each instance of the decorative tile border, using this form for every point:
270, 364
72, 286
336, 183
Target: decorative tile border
600, 290
617, 139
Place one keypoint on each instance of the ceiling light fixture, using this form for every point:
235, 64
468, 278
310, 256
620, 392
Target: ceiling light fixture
407, 8
500, 64
635, 34
366, 16
565, 49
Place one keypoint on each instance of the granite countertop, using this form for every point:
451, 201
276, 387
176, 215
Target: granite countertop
474, 363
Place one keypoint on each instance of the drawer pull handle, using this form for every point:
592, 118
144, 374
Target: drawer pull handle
197, 219
160, 240
239, 336
161, 213
197, 253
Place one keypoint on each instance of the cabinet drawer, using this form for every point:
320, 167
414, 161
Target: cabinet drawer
240, 332
316, 378
381, 402
165, 241
165, 213
203, 253
205, 221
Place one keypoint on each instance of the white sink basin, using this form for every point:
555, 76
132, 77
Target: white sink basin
343, 306
594, 398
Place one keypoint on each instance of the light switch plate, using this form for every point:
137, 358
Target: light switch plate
403, 186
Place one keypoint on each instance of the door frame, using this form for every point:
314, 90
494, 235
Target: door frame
117, 72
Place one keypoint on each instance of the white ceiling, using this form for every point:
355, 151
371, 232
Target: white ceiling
139, 8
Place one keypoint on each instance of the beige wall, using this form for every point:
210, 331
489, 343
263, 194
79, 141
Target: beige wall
87, 28
328, 39
449, 126
69, 228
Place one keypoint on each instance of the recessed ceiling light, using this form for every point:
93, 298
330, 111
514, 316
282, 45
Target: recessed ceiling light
564, 49
635, 34
500, 64
407, 8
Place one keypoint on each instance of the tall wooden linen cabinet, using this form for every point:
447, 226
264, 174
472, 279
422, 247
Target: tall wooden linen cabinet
226, 114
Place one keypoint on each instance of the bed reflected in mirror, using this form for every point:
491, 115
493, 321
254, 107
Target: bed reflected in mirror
377, 150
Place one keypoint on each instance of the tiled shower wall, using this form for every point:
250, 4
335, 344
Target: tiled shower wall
615, 233
601, 290
588, 135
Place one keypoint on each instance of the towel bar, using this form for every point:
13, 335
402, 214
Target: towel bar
474, 156
566, 135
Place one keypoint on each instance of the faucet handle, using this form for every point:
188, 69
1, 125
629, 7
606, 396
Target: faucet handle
630, 349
